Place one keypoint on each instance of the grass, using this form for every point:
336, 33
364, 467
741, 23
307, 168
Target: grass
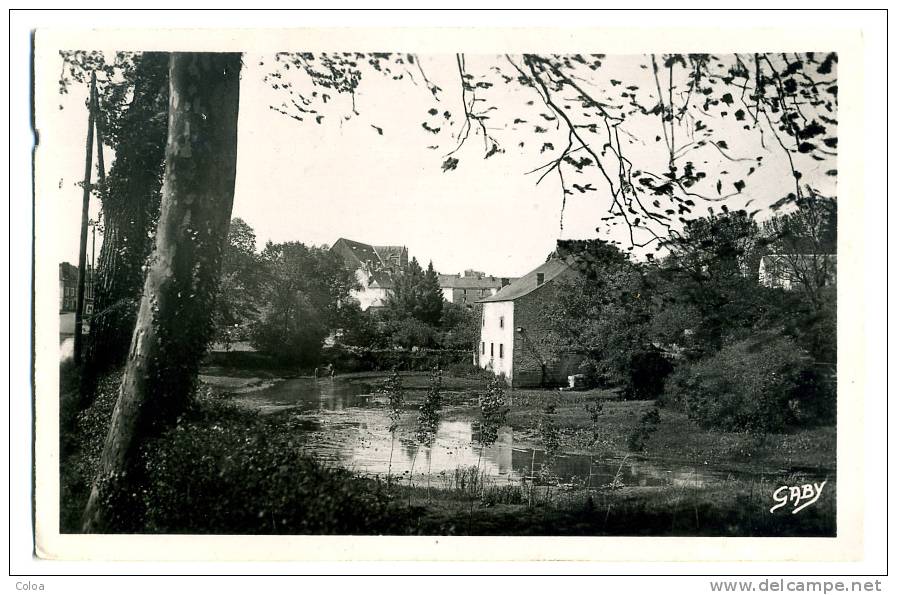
228, 470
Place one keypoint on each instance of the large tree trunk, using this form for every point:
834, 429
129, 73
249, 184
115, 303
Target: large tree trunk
174, 319
130, 199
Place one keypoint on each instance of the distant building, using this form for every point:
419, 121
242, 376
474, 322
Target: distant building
514, 339
375, 268
68, 303
789, 271
68, 289
471, 287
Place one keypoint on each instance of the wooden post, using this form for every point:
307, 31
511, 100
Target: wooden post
98, 125
101, 178
85, 207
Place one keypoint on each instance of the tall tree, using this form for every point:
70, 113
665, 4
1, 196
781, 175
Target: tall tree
604, 312
241, 278
303, 296
404, 297
174, 319
712, 269
429, 308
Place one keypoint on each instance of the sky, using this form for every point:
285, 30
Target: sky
315, 183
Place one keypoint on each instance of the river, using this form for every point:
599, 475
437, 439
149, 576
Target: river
347, 424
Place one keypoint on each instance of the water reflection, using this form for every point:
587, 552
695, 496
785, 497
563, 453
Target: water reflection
327, 394
354, 433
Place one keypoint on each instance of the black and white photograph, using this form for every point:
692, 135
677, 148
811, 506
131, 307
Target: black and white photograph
353, 283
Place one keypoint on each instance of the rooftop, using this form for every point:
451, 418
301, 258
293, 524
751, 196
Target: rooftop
528, 283
363, 253
470, 282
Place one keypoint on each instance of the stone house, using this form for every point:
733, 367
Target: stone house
514, 337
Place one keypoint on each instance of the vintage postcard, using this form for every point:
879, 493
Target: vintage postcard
454, 294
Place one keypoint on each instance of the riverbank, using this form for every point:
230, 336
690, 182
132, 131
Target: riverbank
674, 437
227, 468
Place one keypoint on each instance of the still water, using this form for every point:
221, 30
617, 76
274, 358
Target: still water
348, 425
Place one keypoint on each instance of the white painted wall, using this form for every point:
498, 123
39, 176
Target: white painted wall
493, 334
447, 294
367, 296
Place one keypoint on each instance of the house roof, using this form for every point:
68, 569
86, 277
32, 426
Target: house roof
459, 282
387, 252
357, 253
381, 279
68, 272
527, 284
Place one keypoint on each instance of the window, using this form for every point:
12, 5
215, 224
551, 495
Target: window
491, 349
501, 350
483, 350
501, 322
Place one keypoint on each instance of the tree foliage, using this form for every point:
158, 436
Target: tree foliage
760, 384
804, 241
241, 278
605, 313
303, 294
657, 143
133, 120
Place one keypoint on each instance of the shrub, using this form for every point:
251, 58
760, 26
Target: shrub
294, 340
411, 332
81, 443
463, 367
647, 372
760, 385
222, 470
361, 359
648, 424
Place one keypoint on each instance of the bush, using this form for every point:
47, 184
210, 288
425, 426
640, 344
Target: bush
648, 424
647, 372
81, 444
411, 332
227, 471
463, 366
761, 385
296, 341
359, 359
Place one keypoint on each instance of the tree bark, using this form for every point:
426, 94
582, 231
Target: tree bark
174, 318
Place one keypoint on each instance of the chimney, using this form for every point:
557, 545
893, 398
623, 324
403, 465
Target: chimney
540, 279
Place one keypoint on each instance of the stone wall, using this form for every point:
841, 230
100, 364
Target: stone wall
535, 343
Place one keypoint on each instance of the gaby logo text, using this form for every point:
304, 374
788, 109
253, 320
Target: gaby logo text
799, 496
